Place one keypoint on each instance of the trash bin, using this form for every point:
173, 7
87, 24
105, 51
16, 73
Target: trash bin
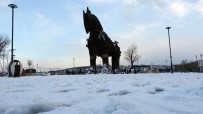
15, 68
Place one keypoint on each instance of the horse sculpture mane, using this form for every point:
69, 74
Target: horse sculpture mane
98, 43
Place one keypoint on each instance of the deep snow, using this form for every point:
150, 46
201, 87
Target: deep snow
180, 93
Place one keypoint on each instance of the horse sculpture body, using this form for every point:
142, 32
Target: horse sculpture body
98, 43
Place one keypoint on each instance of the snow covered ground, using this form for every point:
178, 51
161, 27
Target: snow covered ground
180, 93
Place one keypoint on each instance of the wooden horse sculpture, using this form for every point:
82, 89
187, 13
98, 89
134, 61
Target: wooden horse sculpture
98, 43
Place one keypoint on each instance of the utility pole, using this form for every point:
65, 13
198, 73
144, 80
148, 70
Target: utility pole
201, 63
13, 6
196, 63
73, 62
170, 49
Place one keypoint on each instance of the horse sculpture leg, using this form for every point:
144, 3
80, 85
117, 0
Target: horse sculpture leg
105, 60
115, 64
93, 63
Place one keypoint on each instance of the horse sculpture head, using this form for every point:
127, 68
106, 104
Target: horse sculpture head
87, 20
91, 22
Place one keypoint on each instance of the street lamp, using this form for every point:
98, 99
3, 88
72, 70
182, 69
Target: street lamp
13, 6
170, 49
201, 63
73, 62
196, 63
37, 68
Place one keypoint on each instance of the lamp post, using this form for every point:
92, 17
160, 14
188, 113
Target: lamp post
73, 62
13, 6
201, 63
170, 49
196, 63
37, 68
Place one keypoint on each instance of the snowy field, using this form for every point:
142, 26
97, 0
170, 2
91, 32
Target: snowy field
180, 93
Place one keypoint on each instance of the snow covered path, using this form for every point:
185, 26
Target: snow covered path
180, 93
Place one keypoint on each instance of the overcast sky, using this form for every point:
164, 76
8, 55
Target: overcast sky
51, 32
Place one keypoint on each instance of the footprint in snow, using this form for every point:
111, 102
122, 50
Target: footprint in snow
64, 90
146, 84
156, 90
119, 93
100, 90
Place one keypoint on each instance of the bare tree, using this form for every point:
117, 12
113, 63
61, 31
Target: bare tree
4, 41
131, 54
29, 62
